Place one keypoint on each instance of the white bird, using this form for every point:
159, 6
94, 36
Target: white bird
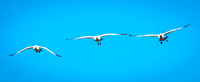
37, 49
97, 38
161, 36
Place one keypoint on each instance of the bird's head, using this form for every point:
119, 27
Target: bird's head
160, 35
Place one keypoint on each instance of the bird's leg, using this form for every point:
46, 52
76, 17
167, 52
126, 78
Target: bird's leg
166, 38
98, 43
40, 50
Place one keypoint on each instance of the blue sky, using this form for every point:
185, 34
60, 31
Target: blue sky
119, 59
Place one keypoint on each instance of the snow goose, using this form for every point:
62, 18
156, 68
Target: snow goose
37, 49
161, 36
97, 38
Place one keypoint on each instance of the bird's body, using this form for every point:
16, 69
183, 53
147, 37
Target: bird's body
161, 36
97, 38
36, 48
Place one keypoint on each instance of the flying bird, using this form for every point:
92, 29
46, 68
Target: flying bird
161, 36
37, 49
97, 38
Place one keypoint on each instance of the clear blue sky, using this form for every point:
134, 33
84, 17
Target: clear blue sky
119, 59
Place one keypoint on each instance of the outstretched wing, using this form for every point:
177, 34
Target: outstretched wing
149, 35
81, 37
175, 29
111, 34
22, 50
51, 51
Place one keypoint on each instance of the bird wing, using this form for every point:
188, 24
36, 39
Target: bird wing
148, 35
51, 51
81, 37
175, 29
111, 34
22, 50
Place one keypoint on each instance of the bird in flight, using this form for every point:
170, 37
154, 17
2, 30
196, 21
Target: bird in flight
97, 38
37, 49
161, 36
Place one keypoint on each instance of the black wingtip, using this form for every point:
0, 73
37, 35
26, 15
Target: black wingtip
69, 39
11, 54
187, 25
124, 34
58, 55
130, 35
